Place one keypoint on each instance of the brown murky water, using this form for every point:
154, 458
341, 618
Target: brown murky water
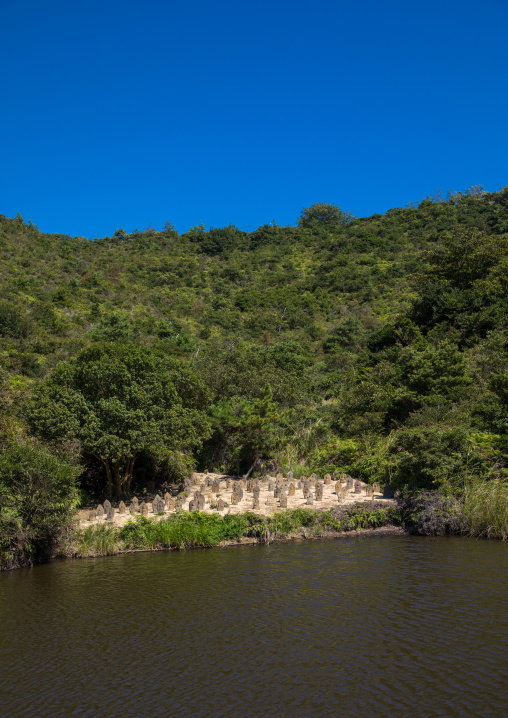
381, 626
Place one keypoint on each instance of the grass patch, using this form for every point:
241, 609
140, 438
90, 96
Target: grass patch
183, 530
485, 510
191, 530
101, 540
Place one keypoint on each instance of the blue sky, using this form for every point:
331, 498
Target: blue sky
121, 113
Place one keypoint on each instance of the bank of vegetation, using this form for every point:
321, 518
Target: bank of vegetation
200, 530
373, 346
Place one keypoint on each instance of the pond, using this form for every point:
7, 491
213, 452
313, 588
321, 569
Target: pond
360, 626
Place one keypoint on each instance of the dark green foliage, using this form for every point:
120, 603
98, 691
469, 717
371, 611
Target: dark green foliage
38, 494
12, 322
119, 401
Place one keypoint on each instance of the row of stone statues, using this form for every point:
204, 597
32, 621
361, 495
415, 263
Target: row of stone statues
312, 489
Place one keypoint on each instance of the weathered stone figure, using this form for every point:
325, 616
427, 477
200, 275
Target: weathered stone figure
350, 483
291, 489
133, 508
99, 512
111, 514
289, 475
92, 515
144, 510
271, 485
358, 487
338, 487
122, 508
107, 506
279, 476
376, 487
343, 477
306, 492
319, 491
201, 502
313, 476
229, 483
327, 479
369, 491
220, 505
283, 501
135, 501
234, 499
255, 492
310, 500
171, 504
167, 496
216, 486
255, 504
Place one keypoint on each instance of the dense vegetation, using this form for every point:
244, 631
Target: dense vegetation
377, 346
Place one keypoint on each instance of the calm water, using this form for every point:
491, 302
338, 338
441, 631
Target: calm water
380, 626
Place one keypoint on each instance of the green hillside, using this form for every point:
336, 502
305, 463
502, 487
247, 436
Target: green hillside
375, 346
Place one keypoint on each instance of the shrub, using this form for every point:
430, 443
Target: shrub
430, 513
37, 497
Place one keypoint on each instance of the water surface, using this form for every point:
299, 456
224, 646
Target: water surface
381, 626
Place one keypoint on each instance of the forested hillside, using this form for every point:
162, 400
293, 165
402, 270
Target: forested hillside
375, 346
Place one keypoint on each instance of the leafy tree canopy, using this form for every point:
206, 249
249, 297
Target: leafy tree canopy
119, 401
321, 213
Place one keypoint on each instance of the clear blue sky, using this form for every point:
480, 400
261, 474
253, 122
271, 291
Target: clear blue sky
129, 113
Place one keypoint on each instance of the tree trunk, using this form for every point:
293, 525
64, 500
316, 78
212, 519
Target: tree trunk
118, 479
126, 484
110, 478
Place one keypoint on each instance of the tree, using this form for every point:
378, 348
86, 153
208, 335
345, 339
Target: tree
119, 401
38, 495
245, 430
321, 213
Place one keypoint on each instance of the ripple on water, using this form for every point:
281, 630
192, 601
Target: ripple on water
386, 626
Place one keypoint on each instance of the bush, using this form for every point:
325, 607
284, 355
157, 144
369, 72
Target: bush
38, 495
430, 513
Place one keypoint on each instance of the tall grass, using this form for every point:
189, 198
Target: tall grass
100, 540
183, 530
485, 510
187, 530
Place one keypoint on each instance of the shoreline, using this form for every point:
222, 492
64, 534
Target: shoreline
388, 530
186, 530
